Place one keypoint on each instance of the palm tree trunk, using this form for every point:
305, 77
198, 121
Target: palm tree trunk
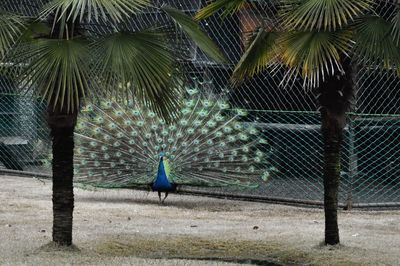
332, 132
336, 98
62, 126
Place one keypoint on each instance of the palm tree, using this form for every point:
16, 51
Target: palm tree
63, 58
322, 41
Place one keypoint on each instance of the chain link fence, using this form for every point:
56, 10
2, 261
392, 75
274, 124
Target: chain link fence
288, 117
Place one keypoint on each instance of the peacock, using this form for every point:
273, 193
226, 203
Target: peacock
208, 145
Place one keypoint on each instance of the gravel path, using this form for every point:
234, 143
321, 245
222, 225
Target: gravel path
127, 227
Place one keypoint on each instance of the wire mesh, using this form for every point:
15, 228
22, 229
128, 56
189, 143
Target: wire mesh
287, 117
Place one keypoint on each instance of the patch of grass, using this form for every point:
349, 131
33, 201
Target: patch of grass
189, 247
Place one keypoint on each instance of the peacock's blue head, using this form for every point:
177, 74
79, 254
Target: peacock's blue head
162, 154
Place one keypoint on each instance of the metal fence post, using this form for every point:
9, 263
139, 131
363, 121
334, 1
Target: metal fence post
353, 164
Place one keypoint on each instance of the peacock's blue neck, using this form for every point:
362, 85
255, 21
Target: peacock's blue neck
161, 182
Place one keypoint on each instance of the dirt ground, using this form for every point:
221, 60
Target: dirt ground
127, 227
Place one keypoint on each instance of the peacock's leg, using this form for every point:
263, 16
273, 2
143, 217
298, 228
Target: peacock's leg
166, 195
159, 196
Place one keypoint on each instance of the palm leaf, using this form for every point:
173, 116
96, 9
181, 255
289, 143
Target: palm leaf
193, 30
375, 44
315, 55
229, 8
261, 53
11, 27
396, 27
117, 10
307, 15
58, 70
140, 65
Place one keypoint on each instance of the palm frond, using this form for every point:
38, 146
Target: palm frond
315, 55
11, 27
308, 15
374, 43
139, 64
396, 27
193, 30
228, 7
261, 53
117, 10
58, 70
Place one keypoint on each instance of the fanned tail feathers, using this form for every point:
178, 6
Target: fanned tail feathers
209, 145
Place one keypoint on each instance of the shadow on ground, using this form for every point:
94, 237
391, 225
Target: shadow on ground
213, 206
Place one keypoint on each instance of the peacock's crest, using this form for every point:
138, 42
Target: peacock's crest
208, 145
